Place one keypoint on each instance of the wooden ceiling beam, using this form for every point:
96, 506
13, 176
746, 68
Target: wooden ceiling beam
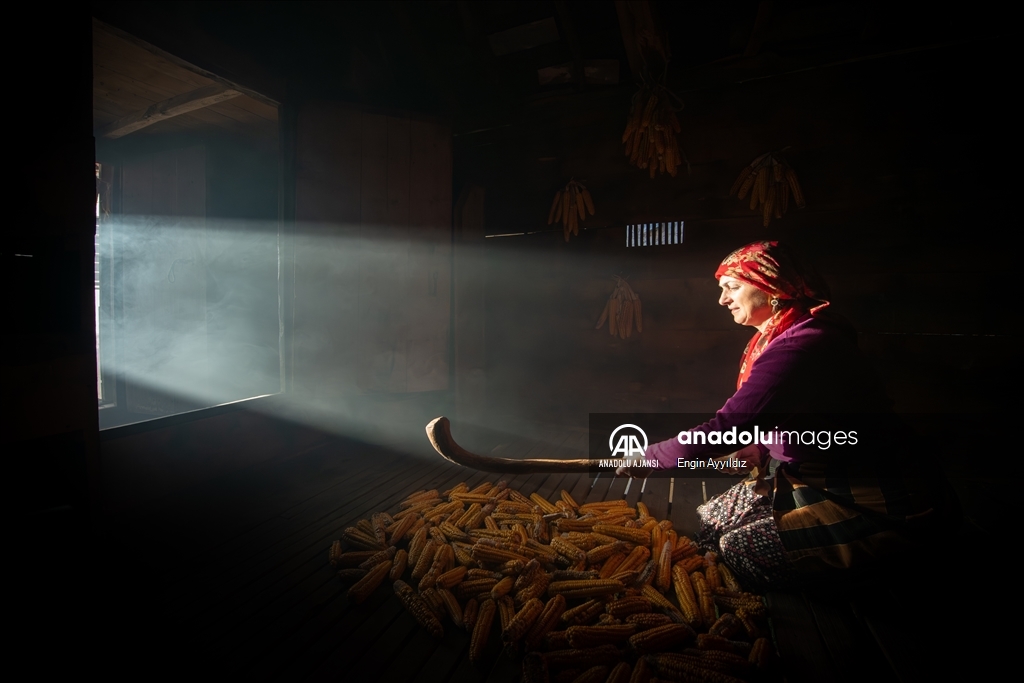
200, 43
169, 108
629, 38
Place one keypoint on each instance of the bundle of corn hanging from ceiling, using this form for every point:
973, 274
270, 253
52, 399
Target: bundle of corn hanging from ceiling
650, 135
622, 312
565, 583
771, 181
570, 206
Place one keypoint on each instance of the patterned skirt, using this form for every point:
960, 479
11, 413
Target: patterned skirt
740, 527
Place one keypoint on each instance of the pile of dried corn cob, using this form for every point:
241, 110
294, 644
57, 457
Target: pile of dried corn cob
571, 205
771, 180
622, 311
650, 135
584, 592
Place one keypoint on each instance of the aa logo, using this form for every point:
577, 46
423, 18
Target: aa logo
631, 443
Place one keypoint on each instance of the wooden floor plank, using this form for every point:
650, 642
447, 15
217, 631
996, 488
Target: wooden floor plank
275, 538
856, 654
269, 579
323, 642
804, 657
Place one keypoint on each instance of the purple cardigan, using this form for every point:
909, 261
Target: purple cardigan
810, 379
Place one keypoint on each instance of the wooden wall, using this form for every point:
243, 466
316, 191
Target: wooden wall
901, 218
372, 253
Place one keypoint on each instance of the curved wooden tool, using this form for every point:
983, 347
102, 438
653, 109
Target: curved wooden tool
440, 434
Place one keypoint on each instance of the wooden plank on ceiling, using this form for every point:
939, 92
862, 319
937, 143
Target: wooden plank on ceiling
116, 95
167, 60
169, 108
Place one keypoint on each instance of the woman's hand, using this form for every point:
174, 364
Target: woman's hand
749, 458
634, 472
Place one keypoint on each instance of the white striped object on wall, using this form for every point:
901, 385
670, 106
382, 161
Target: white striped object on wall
654, 234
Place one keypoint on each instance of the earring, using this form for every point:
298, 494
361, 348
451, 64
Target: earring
774, 304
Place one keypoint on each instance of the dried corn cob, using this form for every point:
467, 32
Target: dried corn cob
414, 498
636, 559
583, 613
704, 599
334, 553
361, 540
661, 638
685, 595
642, 672
398, 565
592, 636
587, 588
647, 620
377, 558
397, 531
502, 588
761, 654
683, 668
663, 578
751, 628
725, 662
433, 601
487, 553
707, 641
366, 585
425, 560
481, 630
474, 588
418, 608
727, 626
685, 547
608, 620
729, 581
458, 488
752, 608
451, 606
625, 606
569, 500
691, 564
469, 614
351, 575
534, 589
711, 571
549, 616
522, 622
450, 577
568, 550
660, 602
595, 674
352, 559
506, 610
603, 552
535, 668
380, 522
611, 565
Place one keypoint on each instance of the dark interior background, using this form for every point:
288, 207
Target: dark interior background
897, 121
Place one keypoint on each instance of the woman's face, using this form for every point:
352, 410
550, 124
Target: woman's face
748, 304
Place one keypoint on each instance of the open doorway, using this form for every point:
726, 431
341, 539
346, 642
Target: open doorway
187, 239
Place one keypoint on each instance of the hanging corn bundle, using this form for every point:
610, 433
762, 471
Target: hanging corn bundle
771, 181
571, 205
622, 311
650, 135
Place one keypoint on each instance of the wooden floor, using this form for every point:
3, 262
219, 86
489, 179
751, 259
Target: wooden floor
232, 578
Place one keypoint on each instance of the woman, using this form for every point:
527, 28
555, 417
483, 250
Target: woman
830, 483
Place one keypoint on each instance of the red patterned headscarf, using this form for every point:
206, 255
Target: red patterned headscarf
774, 271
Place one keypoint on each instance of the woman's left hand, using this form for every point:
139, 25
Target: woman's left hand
749, 457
